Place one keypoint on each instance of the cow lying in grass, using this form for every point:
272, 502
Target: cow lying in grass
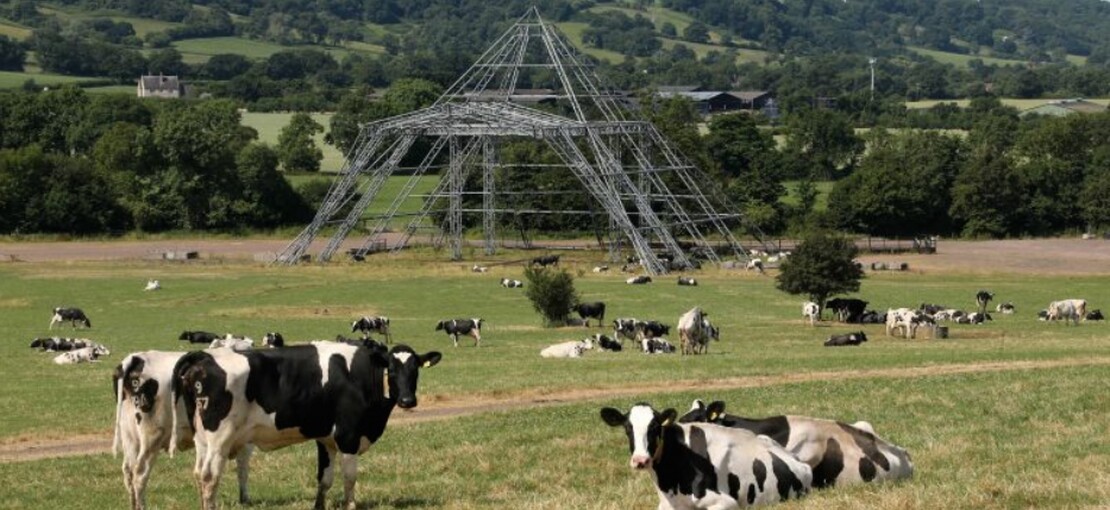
838, 453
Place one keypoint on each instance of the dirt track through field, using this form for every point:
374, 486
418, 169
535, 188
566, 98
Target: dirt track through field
26, 450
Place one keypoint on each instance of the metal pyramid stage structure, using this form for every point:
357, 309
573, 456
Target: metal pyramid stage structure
654, 199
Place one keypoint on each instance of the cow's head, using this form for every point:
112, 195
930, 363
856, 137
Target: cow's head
644, 428
439, 325
860, 335
404, 371
701, 413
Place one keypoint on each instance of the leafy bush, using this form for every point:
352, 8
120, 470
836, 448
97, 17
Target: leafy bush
822, 265
551, 292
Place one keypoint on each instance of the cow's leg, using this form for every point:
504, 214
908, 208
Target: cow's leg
477, 338
141, 465
455, 339
325, 472
349, 464
128, 468
242, 469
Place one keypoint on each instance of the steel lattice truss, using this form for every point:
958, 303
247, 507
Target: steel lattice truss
652, 195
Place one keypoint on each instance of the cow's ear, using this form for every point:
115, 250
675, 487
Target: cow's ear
430, 359
715, 410
698, 405
613, 417
667, 417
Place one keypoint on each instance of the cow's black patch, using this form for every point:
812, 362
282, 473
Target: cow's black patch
203, 383
868, 443
832, 463
866, 469
734, 486
785, 478
751, 494
775, 427
681, 470
759, 469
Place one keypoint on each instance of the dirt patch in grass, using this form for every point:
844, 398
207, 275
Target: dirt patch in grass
15, 303
329, 312
31, 448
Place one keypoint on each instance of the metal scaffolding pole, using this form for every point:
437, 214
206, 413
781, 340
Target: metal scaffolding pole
489, 215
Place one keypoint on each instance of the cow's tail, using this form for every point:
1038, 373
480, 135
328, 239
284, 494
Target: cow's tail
117, 380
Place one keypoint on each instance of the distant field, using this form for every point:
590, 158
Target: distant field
11, 79
200, 50
823, 189
112, 89
658, 15
961, 60
14, 30
573, 30
1020, 104
269, 126
701, 50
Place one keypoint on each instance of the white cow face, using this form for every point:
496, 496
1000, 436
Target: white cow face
644, 428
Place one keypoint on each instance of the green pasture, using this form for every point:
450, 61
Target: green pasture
574, 29
823, 189
269, 126
14, 30
701, 50
1002, 438
12, 79
200, 50
1020, 104
959, 59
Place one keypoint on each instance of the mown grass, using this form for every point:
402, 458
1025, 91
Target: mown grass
14, 30
959, 59
822, 201
203, 48
12, 79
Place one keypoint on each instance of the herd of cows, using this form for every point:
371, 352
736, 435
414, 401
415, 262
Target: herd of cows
228, 399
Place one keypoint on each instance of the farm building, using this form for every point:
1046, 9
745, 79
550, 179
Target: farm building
160, 86
1065, 107
715, 101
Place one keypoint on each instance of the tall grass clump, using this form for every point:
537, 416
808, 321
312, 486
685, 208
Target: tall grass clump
551, 292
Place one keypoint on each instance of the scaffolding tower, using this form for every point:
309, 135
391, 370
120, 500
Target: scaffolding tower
655, 200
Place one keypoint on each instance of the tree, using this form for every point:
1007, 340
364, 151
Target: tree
225, 66
986, 196
268, 200
822, 265
1094, 200
696, 32
166, 61
551, 292
824, 140
296, 148
668, 30
12, 54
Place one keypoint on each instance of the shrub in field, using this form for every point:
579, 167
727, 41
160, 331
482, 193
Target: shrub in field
551, 292
822, 265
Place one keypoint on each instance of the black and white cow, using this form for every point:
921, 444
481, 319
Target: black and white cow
587, 311
755, 265
638, 280
338, 394
705, 466
695, 331
872, 317
546, 260
198, 337
605, 343
656, 345
378, 324
847, 339
811, 312
847, 309
1005, 308
687, 281
624, 328
74, 315
509, 283
1095, 315
145, 421
273, 340
570, 349
601, 269
651, 329
982, 298
82, 355
839, 453
974, 318
58, 344
456, 327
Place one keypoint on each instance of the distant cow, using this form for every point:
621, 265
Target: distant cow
601, 269
273, 340
974, 318
755, 265
846, 309
511, 284
624, 328
567, 349
74, 315
605, 343
656, 346
1067, 309
687, 281
638, 280
479, 269
982, 298
587, 311
700, 466
153, 285
378, 324
651, 329
839, 453
906, 320
872, 317
456, 327
695, 331
57, 344
811, 312
848, 339
82, 355
198, 337
1095, 315
235, 343
1005, 308
546, 260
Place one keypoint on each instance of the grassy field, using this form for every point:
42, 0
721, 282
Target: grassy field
958, 59
14, 30
823, 189
200, 50
1020, 104
573, 30
269, 126
993, 416
12, 79
701, 50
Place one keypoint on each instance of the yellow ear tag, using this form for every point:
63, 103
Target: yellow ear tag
712, 416
427, 364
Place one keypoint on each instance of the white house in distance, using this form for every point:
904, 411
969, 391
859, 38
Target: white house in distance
160, 86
